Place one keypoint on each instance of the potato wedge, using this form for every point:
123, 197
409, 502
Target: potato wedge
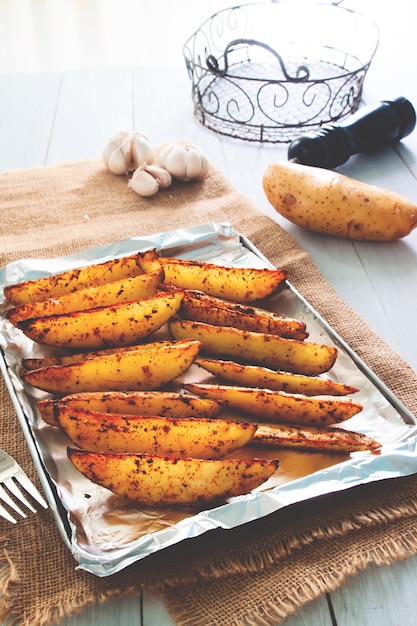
163, 403
124, 290
135, 370
113, 325
200, 307
278, 406
200, 438
167, 481
258, 376
299, 357
316, 439
57, 285
232, 283
328, 202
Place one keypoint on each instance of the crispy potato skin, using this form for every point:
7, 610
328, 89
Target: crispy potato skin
200, 438
198, 306
316, 439
59, 284
134, 370
114, 325
258, 376
124, 290
328, 202
231, 283
300, 357
167, 481
163, 403
278, 406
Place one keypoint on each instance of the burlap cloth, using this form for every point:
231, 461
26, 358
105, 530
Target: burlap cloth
255, 574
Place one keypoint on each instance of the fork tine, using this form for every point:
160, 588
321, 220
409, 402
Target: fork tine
30, 488
14, 489
6, 515
9, 501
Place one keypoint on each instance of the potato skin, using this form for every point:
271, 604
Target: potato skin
329, 202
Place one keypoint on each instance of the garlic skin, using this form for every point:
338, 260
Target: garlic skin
184, 161
126, 151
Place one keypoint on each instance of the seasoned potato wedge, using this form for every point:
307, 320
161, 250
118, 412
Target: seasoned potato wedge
163, 403
167, 481
232, 283
57, 285
300, 357
201, 307
258, 376
319, 439
200, 438
124, 290
134, 370
278, 406
113, 325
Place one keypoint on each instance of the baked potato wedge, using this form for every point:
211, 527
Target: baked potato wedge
168, 481
200, 307
258, 376
300, 357
134, 370
278, 406
232, 283
113, 325
124, 290
200, 438
57, 285
162, 403
314, 439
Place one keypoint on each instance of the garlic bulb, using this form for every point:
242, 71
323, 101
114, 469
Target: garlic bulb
125, 152
148, 179
184, 161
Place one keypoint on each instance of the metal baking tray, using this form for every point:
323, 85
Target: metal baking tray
105, 532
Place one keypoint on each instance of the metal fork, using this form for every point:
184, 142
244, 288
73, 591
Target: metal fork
11, 476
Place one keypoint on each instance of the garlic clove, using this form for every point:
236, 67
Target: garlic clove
143, 183
141, 150
125, 152
184, 161
197, 164
162, 175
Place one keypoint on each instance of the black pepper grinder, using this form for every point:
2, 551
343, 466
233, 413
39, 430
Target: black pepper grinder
367, 130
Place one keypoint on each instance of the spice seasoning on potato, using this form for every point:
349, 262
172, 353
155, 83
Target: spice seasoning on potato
329, 202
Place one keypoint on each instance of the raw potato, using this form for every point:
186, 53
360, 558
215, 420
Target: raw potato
319, 439
232, 283
257, 376
124, 290
278, 406
113, 325
201, 307
291, 355
328, 202
166, 481
200, 438
57, 285
134, 370
163, 403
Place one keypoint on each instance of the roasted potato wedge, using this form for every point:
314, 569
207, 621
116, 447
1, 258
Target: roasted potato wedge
175, 482
162, 403
258, 376
200, 307
57, 285
232, 283
278, 406
113, 325
124, 290
134, 370
316, 439
200, 438
300, 357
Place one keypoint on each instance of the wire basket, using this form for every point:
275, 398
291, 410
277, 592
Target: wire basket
261, 72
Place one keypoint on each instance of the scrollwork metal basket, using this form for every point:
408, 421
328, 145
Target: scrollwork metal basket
262, 72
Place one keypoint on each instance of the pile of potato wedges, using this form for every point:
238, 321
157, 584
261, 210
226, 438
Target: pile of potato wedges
108, 381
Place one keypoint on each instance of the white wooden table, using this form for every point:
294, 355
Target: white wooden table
74, 73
